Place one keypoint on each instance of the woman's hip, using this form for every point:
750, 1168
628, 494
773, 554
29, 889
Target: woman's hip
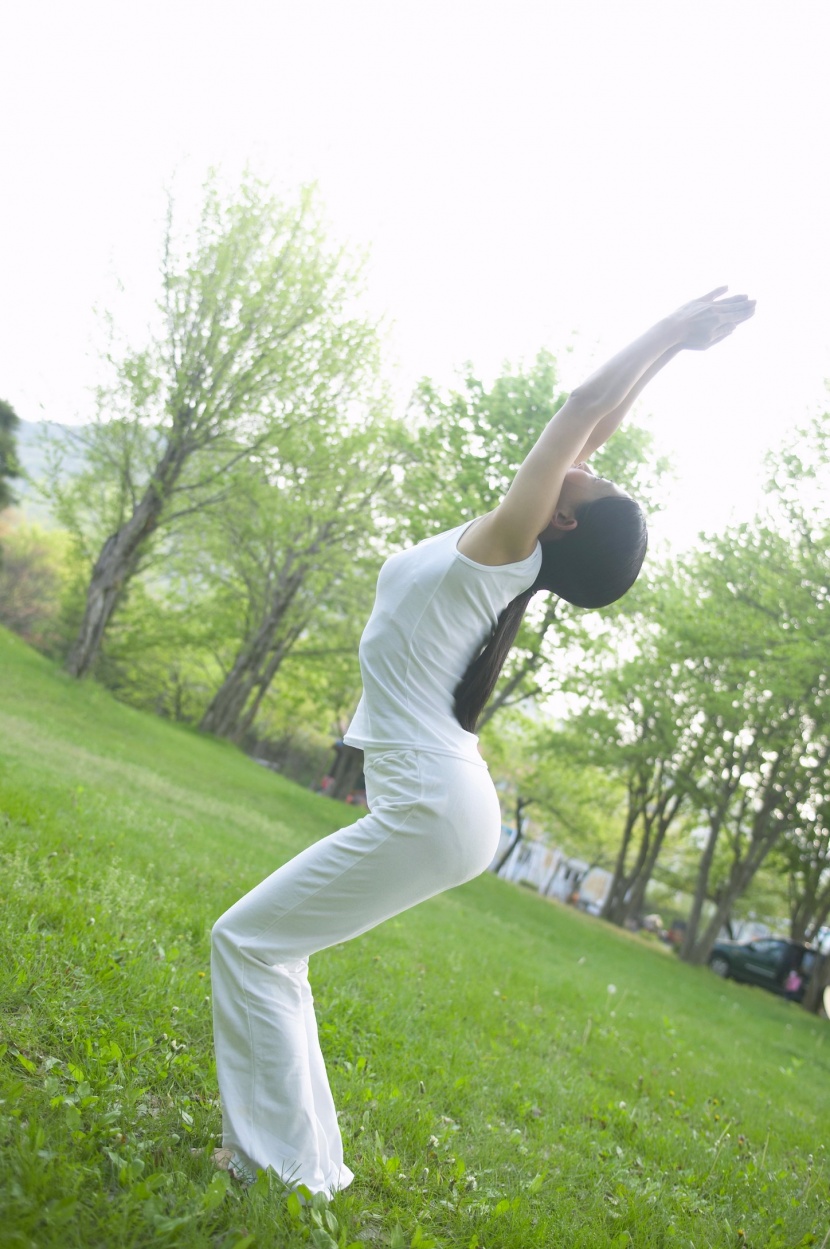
434, 824
441, 800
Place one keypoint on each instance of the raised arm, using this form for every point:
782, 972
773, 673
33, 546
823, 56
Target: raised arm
587, 419
603, 430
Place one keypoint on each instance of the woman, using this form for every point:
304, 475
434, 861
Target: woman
445, 616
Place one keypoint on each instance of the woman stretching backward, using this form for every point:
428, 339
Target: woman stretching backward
445, 615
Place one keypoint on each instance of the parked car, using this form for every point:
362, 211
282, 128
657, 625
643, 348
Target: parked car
774, 963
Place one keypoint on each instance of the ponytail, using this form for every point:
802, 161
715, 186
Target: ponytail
479, 681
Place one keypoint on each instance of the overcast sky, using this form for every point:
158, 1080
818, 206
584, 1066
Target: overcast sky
550, 174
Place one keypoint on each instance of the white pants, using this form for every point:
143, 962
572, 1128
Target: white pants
434, 823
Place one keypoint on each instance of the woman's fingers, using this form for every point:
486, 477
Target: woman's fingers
740, 312
719, 290
705, 321
734, 310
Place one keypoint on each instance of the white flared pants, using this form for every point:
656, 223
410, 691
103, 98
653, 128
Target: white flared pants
434, 823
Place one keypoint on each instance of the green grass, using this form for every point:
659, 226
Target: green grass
496, 1092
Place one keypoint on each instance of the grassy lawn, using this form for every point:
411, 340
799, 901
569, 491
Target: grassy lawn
511, 1074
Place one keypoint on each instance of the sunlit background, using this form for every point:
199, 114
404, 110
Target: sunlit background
527, 174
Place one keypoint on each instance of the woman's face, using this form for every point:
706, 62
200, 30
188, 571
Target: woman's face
580, 486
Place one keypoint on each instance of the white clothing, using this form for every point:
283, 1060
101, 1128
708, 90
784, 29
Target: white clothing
434, 823
434, 610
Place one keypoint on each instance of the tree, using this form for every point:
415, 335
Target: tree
719, 721
762, 705
257, 337
799, 477
34, 574
635, 723
804, 854
573, 803
346, 772
9, 466
469, 445
294, 554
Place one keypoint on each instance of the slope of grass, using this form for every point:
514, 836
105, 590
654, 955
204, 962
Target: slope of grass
510, 1074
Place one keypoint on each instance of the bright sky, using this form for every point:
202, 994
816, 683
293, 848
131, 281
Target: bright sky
527, 174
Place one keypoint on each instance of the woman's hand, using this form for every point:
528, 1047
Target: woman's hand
703, 322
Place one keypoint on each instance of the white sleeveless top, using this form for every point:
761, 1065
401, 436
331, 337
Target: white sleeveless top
434, 610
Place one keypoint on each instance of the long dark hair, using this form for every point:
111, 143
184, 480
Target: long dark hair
590, 566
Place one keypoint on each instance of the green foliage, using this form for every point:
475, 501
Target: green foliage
37, 576
717, 718
258, 337
293, 558
468, 446
571, 804
492, 1089
471, 441
282, 575
9, 466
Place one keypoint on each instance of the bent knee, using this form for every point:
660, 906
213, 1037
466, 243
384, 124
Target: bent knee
221, 934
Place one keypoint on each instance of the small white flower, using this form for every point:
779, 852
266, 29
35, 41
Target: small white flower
612, 988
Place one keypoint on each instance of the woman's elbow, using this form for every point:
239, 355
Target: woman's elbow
587, 401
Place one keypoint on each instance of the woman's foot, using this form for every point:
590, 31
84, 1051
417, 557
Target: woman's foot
228, 1160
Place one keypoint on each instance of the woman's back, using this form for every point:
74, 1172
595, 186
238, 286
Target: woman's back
434, 610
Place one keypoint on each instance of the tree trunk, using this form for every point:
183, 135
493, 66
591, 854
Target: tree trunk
800, 913
346, 772
120, 557
723, 908
818, 982
521, 803
647, 862
763, 837
635, 897
263, 682
224, 714
629, 885
113, 569
507, 854
619, 884
818, 919
809, 912
689, 942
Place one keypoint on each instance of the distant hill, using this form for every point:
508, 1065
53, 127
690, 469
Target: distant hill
32, 442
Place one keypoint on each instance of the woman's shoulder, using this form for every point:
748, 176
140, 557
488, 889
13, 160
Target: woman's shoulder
482, 541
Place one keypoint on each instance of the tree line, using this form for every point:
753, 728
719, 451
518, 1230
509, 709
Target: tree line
243, 478
702, 703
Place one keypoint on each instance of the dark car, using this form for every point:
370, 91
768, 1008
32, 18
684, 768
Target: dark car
775, 963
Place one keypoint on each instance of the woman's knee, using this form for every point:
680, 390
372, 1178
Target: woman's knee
231, 939
222, 937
